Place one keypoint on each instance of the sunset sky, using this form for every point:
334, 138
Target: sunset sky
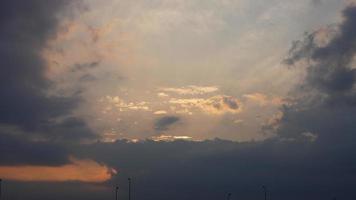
192, 99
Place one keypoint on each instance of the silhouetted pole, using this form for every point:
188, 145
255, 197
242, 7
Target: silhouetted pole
0, 187
265, 191
228, 196
129, 179
116, 192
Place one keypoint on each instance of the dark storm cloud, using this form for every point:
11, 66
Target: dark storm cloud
326, 101
164, 123
15, 150
330, 71
25, 27
211, 169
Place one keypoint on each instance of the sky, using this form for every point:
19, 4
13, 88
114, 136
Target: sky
190, 99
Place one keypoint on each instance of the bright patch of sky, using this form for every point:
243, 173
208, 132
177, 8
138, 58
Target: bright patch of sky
214, 65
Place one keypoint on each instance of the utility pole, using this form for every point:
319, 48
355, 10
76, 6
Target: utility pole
129, 179
228, 196
0, 187
265, 191
116, 192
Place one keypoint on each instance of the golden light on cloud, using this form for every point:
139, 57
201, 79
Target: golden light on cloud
78, 170
264, 100
160, 112
170, 138
191, 90
216, 105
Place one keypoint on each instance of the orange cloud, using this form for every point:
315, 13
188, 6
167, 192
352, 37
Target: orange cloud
78, 170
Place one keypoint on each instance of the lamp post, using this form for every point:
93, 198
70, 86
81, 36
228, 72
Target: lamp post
0, 187
116, 192
265, 191
129, 179
228, 196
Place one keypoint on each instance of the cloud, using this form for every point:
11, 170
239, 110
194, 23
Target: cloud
191, 90
27, 102
162, 94
311, 157
77, 170
215, 105
164, 123
122, 105
16, 149
214, 167
160, 112
325, 101
264, 100
170, 138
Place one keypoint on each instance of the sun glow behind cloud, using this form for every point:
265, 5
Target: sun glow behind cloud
200, 61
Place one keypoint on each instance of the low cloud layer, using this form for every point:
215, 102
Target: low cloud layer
77, 170
211, 169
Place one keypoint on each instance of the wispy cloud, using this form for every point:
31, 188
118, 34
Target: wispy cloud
191, 90
115, 102
215, 105
264, 100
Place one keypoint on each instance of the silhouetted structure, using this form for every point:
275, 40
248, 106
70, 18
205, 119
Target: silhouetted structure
129, 179
265, 191
228, 196
116, 192
0, 187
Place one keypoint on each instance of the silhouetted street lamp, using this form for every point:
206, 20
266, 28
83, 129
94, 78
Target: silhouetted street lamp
228, 196
0, 187
116, 192
129, 179
265, 191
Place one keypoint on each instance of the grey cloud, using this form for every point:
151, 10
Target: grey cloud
17, 150
317, 2
325, 102
231, 103
25, 103
329, 69
87, 78
85, 66
209, 169
164, 123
